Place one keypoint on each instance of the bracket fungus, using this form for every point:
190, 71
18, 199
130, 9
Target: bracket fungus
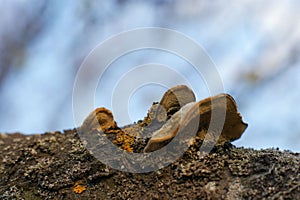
175, 112
231, 130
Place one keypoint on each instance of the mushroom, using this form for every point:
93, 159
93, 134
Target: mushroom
223, 106
175, 98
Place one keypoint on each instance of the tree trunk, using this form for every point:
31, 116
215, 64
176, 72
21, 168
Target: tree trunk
57, 166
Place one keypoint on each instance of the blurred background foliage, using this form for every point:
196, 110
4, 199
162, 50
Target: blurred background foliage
254, 44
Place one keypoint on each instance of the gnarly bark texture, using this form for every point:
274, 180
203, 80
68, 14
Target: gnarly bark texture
52, 165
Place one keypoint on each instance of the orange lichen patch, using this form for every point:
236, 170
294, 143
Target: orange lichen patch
79, 188
124, 140
127, 147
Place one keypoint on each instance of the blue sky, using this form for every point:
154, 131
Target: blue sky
254, 45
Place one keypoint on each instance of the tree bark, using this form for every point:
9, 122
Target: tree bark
57, 166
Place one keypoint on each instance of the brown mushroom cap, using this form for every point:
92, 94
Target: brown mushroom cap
101, 119
176, 97
222, 104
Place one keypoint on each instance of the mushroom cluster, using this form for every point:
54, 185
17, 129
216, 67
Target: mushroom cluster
215, 118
